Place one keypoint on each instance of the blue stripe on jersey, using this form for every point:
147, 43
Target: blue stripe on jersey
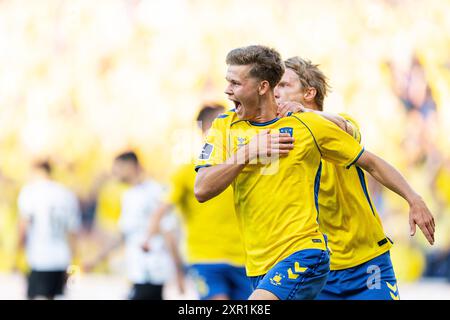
317, 188
221, 116
364, 186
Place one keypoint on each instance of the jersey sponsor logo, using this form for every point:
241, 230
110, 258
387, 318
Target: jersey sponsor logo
276, 279
289, 130
206, 151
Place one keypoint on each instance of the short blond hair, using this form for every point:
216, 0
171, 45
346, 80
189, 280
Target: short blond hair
310, 76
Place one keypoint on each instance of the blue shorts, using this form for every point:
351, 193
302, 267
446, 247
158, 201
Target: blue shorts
221, 278
372, 280
300, 276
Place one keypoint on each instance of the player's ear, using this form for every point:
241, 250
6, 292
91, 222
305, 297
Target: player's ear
264, 86
310, 94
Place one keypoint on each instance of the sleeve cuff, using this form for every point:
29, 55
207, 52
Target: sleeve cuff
356, 159
201, 166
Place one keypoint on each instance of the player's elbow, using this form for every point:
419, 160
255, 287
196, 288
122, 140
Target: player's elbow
202, 191
201, 194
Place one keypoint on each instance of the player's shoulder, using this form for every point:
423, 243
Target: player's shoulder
184, 169
227, 114
27, 188
151, 186
59, 187
226, 118
348, 117
306, 117
63, 191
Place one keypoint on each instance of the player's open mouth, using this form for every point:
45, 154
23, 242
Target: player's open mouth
237, 105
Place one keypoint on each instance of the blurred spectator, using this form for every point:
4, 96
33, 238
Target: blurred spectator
438, 260
412, 88
9, 257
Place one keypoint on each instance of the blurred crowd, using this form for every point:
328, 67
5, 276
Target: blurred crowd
81, 81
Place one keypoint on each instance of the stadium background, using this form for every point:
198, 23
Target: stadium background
83, 80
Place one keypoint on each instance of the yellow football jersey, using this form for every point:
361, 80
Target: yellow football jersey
347, 214
211, 228
277, 202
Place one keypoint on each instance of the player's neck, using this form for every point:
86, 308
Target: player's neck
267, 111
138, 179
38, 176
312, 105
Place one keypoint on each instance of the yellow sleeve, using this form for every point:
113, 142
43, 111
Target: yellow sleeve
334, 144
354, 124
177, 187
214, 149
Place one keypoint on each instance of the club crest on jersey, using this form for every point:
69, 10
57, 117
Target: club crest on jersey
287, 130
241, 142
206, 151
276, 279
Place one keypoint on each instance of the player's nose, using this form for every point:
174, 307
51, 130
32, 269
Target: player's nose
228, 90
276, 93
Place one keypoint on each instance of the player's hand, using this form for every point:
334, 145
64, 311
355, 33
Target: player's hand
181, 282
290, 106
88, 267
420, 215
269, 146
145, 246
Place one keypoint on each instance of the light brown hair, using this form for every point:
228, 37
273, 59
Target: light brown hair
310, 77
267, 62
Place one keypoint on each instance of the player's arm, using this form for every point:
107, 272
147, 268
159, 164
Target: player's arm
388, 176
173, 249
25, 216
213, 180
72, 239
291, 106
337, 120
155, 222
74, 226
341, 149
113, 244
22, 232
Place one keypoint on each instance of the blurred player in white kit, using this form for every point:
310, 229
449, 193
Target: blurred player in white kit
147, 271
49, 222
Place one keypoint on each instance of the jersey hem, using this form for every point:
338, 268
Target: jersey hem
361, 261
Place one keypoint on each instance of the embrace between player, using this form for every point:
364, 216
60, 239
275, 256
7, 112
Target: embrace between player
299, 186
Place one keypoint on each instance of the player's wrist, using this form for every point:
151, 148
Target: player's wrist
243, 155
415, 200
